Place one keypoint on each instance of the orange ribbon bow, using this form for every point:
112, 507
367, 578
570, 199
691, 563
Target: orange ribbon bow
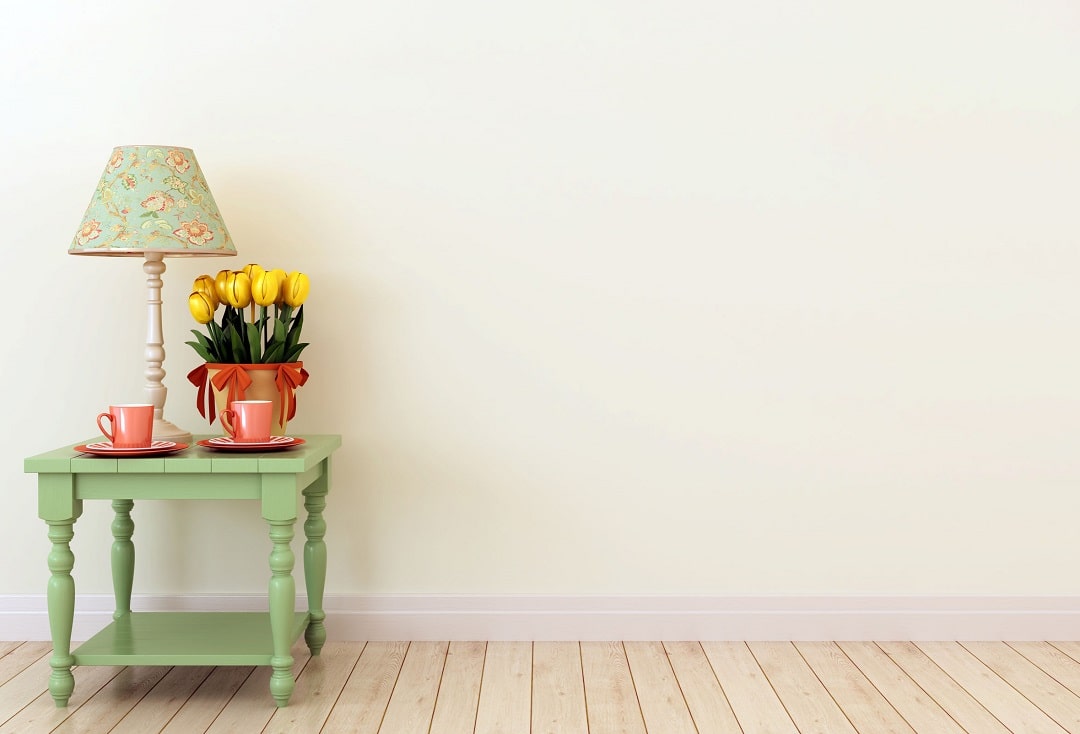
289, 377
232, 375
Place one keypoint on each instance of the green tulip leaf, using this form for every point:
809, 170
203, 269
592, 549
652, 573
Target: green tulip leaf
221, 343
274, 352
279, 330
294, 330
201, 351
254, 343
294, 354
201, 337
237, 345
207, 346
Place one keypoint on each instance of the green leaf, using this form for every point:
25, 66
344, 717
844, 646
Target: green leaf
294, 330
221, 343
254, 343
201, 337
279, 330
294, 354
206, 344
144, 215
201, 351
236, 343
274, 352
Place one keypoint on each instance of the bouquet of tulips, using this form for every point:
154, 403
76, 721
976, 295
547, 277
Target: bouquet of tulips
241, 337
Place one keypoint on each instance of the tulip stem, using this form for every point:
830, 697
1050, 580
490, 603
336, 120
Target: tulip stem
263, 329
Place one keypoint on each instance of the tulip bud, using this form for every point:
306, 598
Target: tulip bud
281, 276
201, 308
237, 290
250, 270
264, 287
219, 285
205, 284
297, 287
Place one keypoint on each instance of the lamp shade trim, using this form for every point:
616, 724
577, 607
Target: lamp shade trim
152, 199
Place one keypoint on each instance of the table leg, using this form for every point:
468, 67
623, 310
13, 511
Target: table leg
61, 602
315, 563
123, 556
282, 605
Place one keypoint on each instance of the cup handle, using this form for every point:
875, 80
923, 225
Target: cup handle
106, 434
229, 429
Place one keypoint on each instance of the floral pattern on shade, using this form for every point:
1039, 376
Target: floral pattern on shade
152, 198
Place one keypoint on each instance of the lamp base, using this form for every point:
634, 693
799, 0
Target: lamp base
166, 431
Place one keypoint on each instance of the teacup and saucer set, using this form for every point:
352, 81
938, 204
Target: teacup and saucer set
131, 434
247, 423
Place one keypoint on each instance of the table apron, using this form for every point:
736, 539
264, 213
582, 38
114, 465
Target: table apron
154, 486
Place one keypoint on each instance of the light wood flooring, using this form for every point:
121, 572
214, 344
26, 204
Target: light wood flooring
575, 688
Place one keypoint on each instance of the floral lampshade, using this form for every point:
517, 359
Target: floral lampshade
152, 199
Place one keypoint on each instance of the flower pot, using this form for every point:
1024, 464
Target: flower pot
228, 382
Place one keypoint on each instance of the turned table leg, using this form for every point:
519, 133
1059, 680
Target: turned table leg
123, 556
315, 563
282, 605
61, 602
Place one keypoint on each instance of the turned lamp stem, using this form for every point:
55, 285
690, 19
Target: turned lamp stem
154, 266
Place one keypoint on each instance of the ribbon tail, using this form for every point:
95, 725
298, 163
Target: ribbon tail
200, 377
287, 380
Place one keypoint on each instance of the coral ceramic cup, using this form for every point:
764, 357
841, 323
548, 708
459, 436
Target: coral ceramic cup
248, 421
132, 425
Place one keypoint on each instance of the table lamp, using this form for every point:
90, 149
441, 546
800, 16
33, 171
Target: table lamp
153, 202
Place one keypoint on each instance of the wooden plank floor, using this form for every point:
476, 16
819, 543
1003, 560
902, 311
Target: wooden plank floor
575, 688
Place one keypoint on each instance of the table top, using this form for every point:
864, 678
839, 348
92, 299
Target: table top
193, 460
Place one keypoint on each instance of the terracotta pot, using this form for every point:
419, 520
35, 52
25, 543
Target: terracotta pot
227, 382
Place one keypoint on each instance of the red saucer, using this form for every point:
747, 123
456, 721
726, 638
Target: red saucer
227, 443
105, 448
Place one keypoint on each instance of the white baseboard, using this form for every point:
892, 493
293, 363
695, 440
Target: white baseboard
524, 617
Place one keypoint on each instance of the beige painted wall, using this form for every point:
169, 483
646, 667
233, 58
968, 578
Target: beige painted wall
609, 297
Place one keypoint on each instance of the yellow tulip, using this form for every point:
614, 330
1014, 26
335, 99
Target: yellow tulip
205, 284
297, 287
250, 270
201, 307
219, 285
237, 289
281, 276
264, 287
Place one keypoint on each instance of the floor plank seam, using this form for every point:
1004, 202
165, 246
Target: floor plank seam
1008, 683
878, 690
584, 691
675, 677
347, 678
1049, 673
179, 708
918, 685
727, 698
633, 684
777, 693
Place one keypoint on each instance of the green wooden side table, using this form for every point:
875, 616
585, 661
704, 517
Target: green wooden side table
66, 478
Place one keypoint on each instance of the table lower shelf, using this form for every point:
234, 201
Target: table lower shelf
186, 638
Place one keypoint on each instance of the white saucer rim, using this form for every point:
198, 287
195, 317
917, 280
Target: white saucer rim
154, 446
230, 441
